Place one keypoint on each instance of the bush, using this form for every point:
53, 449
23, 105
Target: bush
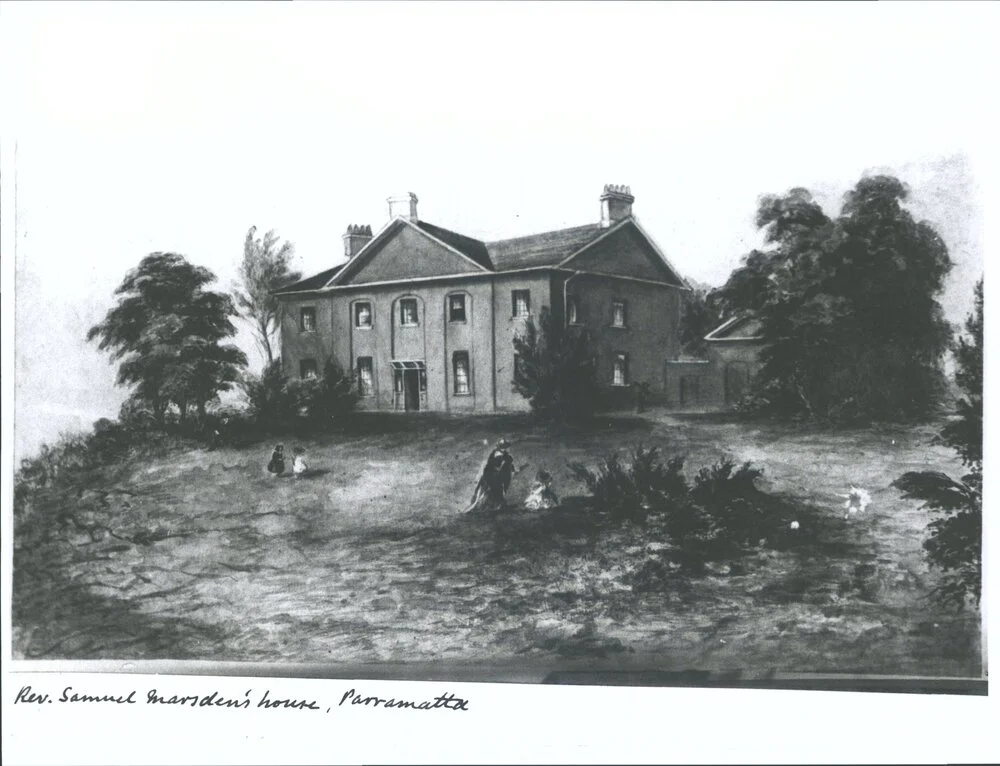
721, 515
277, 403
632, 490
556, 371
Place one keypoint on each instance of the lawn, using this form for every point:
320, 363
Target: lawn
206, 556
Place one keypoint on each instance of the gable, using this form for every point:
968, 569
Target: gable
625, 252
407, 254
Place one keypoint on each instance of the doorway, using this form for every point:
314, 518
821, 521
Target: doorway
737, 381
411, 390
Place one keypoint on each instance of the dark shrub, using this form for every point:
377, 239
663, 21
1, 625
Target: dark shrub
556, 371
632, 490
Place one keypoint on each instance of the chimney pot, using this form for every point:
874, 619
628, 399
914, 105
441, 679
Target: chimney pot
616, 204
355, 238
403, 206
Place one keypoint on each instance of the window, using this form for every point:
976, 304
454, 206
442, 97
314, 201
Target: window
362, 314
618, 314
460, 363
307, 319
408, 312
572, 310
456, 308
366, 381
621, 370
521, 302
308, 368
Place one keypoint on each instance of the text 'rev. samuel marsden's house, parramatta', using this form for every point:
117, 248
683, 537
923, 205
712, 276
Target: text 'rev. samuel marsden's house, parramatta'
425, 317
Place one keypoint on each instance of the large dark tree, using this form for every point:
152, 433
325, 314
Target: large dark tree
848, 305
956, 540
555, 370
266, 267
166, 332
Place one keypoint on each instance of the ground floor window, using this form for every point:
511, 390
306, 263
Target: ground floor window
460, 363
366, 382
308, 368
620, 377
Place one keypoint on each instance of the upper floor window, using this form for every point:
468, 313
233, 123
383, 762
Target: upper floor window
408, 312
363, 314
620, 375
619, 315
456, 308
366, 380
308, 368
307, 319
460, 362
521, 302
572, 310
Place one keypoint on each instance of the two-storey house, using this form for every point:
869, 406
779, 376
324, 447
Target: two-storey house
425, 317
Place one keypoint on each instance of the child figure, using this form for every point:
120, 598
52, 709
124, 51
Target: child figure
299, 466
541, 495
277, 464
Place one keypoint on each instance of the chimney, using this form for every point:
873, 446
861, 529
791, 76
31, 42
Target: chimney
616, 204
355, 238
404, 206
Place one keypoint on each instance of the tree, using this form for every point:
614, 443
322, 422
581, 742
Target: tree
848, 306
956, 540
556, 371
166, 331
264, 269
700, 316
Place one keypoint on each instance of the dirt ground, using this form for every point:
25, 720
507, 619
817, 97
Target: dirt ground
207, 556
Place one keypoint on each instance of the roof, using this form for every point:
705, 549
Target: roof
743, 327
314, 282
467, 246
548, 249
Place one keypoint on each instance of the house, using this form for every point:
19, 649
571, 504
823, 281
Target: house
723, 377
425, 317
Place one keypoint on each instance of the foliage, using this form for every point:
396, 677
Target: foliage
556, 370
265, 268
848, 305
955, 543
721, 514
701, 315
277, 403
166, 332
631, 490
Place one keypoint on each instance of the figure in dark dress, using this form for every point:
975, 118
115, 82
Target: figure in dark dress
491, 491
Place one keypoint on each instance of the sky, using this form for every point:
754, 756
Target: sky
176, 126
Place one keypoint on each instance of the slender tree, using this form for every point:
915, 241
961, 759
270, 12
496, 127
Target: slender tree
166, 332
266, 267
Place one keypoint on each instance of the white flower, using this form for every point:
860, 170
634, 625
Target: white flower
794, 525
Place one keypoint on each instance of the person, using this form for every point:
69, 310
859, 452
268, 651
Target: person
277, 464
541, 496
491, 491
299, 466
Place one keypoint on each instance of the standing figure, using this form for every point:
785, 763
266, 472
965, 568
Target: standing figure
541, 496
299, 466
277, 464
491, 491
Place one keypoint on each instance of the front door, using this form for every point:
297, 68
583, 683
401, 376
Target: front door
411, 389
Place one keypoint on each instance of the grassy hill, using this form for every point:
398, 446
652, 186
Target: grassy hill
204, 555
